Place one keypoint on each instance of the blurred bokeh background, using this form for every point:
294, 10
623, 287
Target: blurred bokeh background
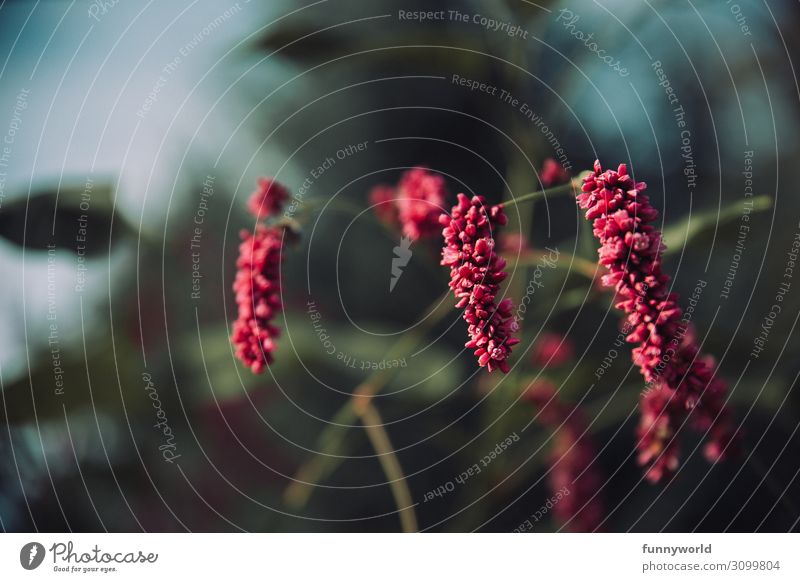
133, 134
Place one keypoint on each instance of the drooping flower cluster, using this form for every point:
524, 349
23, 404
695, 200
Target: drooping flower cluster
574, 470
699, 396
552, 173
476, 272
661, 415
415, 203
666, 350
257, 283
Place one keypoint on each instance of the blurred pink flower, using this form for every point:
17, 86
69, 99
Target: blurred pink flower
476, 272
573, 466
415, 204
383, 199
268, 199
513, 243
661, 414
421, 199
552, 173
552, 349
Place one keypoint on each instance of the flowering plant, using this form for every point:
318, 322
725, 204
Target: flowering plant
680, 383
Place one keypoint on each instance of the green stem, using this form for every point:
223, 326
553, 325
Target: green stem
570, 186
373, 425
330, 440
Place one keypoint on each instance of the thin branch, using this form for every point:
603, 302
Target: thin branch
330, 440
570, 186
373, 424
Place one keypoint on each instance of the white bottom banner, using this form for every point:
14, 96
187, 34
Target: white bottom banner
401, 557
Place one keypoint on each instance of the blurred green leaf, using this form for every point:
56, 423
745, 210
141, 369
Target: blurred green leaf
35, 397
55, 217
682, 233
307, 42
422, 371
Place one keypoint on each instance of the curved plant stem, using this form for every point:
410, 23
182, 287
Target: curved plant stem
570, 186
331, 439
373, 424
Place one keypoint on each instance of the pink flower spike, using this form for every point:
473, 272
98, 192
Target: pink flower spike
257, 283
666, 350
258, 297
476, 272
